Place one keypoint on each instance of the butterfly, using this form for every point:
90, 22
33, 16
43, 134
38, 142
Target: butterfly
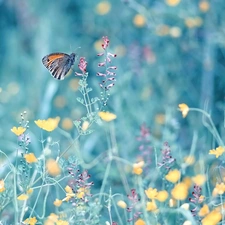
59, 64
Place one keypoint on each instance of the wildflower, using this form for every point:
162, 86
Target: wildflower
137, 167
185, 206
103, 8
52, 219
213, 218
29, 191
82, 66
172, 2
2, 185
187, 181
107, 116
49, 125
173, 176
189, 160
217, 152
172, 202
184, 109
85, 125
219, 189
18, 130
69, 193
122, 204
196, 199
204, 210
162, 196
167, 159
180, 191
52, 167
81, 192
151, 206
139, 222
30, 221
23, 197
199, 179
62, 222
57, 202
139, 20
204, 6
151, 193
30, 158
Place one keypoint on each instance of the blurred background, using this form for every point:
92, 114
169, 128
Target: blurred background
168, 52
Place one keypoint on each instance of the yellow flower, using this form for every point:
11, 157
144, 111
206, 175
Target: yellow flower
189, 160
69, 193
137, 167
162, 196
199, 179
2, 185
30, 221
49, 125
187, 181
107, 116
139, 222
173, 176
172, 202
30, 158
213, 218
81, 192
103, 7
151, 193
184, 109
52, 167
18, 130
29, 191
139, 20
23, 197
62, 222
57, 202
151, 206
219, 189
52, 219
204, 210
172, 2
122, 204
204, 6
217, 152
180, 191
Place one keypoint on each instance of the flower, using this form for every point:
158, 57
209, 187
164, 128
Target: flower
103, 8
23, 197
122, 204
184, 109
185, 206
69, 193
199, 179
57, 202
151, 193
2, 185
139, 20
137, 167
139, 222
49, 125
30, 158
107, 116
18, 130
162, 196
189, 160
219, 189
151, 206
213, 218
172, 2
52, 167
30, 221
204, 6
82, 66
173, 176
180, 191
204, 210
172, 202
217, 152
85, 125
62, 222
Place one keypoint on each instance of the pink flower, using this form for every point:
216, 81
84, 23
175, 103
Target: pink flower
82, 66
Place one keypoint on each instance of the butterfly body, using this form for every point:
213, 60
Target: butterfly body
59, 64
